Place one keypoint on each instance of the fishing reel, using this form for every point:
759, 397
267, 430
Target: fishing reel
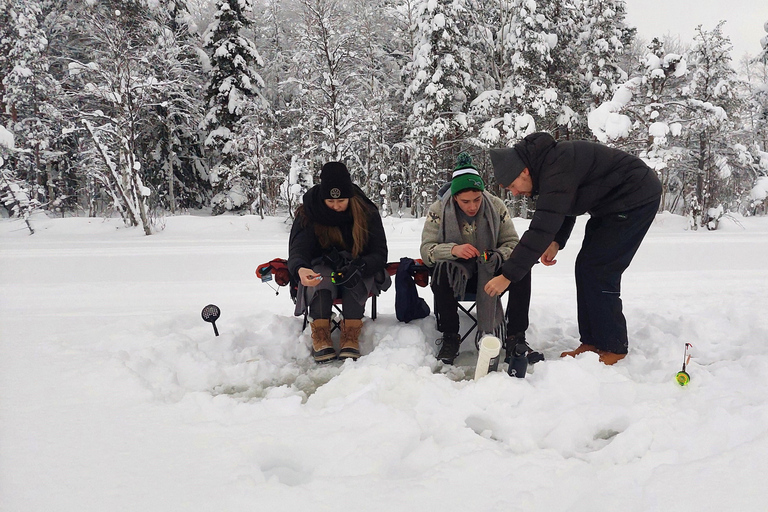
682, 376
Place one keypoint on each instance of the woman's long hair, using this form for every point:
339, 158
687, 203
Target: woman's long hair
329, 236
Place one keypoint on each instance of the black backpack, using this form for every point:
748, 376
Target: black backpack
408, 305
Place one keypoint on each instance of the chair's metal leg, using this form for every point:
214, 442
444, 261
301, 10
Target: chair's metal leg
373, 307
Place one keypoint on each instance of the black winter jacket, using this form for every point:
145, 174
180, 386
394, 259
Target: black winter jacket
571, 178
304, 248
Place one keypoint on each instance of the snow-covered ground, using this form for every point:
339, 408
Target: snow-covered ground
116, 396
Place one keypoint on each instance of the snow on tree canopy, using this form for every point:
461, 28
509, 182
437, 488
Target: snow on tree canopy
719, 112
659, 132
22, 71
763, 160
438, 21
760, 190
605, 121
6, 138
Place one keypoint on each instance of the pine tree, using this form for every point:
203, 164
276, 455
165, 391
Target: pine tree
404, 21
377, 128
759, 95
178, 169
712, 105
30, 91
602, 35
277, 144
441, 89
646, 116
233, 93
329, 81
14, 193
112, 91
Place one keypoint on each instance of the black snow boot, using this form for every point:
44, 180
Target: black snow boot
450, 347
514, 339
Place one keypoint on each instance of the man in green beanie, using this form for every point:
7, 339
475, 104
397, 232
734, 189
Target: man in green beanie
467, 236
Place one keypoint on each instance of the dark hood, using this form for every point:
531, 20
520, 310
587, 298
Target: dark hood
533, 151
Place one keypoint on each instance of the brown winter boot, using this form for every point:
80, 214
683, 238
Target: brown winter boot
350, 332
322, 346
609, 358
579, 350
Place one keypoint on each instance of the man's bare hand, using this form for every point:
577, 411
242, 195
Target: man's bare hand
548, 258
497, 286
465, 251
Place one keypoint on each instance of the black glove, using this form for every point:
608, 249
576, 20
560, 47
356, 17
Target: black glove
350, 274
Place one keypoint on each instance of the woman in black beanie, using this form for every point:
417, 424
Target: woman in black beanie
337, 230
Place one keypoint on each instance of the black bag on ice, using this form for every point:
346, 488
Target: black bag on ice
408, 305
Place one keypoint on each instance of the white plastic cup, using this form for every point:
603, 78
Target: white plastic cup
488, 355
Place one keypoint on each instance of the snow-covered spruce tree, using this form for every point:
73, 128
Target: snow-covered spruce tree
111, 94
441, 88
527, 65
754, 129
274, 31
176, 168
15, 195
404, 20
258, 143
379, 127
713, 105
602, 36
759, 95
232, 93
328, 77
31, 92
522, 75
646, 116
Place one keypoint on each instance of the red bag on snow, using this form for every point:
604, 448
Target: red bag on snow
278, 268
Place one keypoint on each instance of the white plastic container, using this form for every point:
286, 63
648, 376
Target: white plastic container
488, 355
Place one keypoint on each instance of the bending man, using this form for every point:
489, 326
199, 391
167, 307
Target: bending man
621, 194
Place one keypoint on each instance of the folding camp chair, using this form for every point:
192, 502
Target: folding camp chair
468, 311
278, 269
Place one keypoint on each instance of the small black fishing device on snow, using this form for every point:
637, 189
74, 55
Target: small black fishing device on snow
211, 313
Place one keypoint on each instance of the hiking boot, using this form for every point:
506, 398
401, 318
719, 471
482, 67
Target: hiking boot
514, 339
322, 346
450, 347
579, 350
350, 332
610, 358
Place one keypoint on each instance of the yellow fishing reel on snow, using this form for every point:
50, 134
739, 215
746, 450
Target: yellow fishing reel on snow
682, 376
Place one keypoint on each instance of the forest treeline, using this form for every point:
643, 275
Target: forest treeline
148, 107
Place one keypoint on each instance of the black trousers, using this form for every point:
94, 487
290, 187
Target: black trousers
610, 243
447, 306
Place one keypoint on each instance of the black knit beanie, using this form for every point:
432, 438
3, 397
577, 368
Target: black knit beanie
507, 165
335, 182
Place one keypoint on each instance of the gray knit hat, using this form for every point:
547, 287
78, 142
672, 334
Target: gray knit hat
507, 165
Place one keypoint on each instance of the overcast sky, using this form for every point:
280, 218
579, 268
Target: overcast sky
744, 20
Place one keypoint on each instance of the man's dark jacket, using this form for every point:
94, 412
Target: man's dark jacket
571, 178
